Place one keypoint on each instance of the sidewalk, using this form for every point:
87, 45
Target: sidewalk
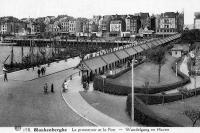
75, 101
27, 75
184, 69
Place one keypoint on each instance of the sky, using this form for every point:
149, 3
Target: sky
88, 8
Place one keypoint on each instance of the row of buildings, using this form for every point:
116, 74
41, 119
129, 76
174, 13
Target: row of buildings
108, 25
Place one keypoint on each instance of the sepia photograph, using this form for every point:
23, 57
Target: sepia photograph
128, 64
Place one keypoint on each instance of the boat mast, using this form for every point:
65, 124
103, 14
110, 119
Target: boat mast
12, 56
22, 50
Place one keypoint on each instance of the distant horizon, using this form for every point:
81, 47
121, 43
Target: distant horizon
87, 8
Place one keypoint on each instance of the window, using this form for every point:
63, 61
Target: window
166, 20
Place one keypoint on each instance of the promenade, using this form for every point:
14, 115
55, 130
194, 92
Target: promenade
27, 75
23, 103
80, 106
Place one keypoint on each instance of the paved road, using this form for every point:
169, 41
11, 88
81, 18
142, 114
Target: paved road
79, 105
23, 103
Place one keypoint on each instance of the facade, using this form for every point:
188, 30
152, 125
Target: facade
72, 26
197, 20
56, 27
96, 19
86, 27
115, 27
93, 27
118, 25
153, 23
180, 19
169, 23
68, 26
136, 24
6, 28
64, 25
79, 26
129, 24
49, 27
178, 50
20, 28
145, 19
104, 25
12, 28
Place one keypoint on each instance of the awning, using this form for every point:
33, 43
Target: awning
173, 37
170, 38
162, 41
138, 49
159, 42
94, 63
109, 58
121, 54
144, 46
150, 44
154, 43
167, 39
131, 51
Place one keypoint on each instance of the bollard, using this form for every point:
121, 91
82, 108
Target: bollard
70, 77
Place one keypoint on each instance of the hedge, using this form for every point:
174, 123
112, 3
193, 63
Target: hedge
113, 87
144, 115
159, 98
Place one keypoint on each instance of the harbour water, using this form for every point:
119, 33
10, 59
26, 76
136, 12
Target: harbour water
5, 51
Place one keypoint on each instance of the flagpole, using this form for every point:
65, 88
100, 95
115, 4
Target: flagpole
132, 109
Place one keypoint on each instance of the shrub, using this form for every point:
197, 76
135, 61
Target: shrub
158, 98
144, 115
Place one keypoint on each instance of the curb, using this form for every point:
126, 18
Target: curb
95, 124
49, 74
41, 76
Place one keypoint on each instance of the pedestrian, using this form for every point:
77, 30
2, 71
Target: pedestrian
52, 88
63, 85
42, 71
45, 88
5, 76
38, 72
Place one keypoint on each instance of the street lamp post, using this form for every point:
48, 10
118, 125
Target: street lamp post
176, 69
132, 107
195, 82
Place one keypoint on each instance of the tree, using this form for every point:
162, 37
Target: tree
157, 56
146, 86
163, 97
193, 115
184, 92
